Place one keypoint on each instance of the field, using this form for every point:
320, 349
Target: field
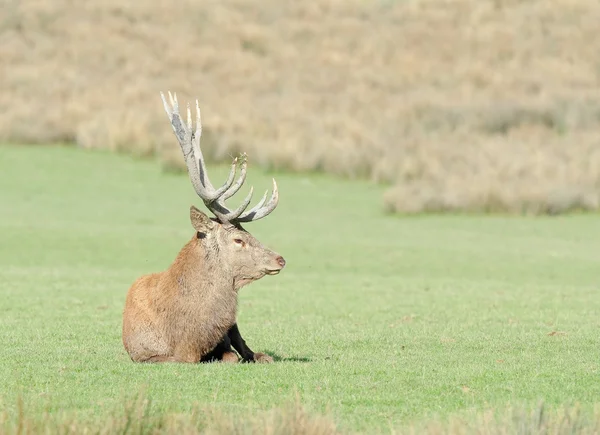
377, 322
462, 105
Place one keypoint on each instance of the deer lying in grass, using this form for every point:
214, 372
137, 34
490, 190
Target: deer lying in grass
188, 312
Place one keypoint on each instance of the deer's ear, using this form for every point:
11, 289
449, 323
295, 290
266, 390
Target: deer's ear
200, 221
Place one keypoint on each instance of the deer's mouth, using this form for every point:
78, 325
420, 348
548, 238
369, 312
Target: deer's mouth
279, 264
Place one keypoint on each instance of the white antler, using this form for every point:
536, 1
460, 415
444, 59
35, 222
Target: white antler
214, 199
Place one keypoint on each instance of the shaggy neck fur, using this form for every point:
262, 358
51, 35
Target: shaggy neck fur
205, 304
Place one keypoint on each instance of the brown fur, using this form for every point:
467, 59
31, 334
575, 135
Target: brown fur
182, 313
230, 357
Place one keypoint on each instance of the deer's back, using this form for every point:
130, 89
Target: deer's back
143, 325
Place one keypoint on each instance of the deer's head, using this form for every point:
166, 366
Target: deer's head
222, 238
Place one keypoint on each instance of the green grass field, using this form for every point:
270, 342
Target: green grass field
377, 321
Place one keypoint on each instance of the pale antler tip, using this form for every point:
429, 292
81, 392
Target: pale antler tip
170, 109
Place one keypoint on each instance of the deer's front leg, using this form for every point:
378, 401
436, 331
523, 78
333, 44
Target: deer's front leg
222, 352
242, 348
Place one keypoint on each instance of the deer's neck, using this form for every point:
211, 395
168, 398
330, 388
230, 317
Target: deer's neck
203, 298
197, 268
199, 276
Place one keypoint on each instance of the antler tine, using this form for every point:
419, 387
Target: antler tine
213, 194
184, 137
167, 108
261, 212
256, 207
233, 189
208, 187
219, 193
198, 120
189, 119
232, 216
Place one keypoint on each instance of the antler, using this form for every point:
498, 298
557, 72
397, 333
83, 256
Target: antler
214, 199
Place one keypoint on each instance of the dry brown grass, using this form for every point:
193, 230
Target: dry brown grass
138, 417
514, 420
462, 104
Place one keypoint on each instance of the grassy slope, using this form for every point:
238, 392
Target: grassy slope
379, 319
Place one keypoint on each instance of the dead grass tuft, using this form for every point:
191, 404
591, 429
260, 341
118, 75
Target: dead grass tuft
568, 420
462, 105
139, 416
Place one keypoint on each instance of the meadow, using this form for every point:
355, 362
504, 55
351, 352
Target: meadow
463, 105
378, 322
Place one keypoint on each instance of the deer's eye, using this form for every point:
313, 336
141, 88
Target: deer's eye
239, 242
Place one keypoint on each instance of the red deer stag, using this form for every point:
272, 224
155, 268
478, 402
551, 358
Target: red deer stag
187, 313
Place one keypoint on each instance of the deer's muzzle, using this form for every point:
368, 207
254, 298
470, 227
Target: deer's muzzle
280, 262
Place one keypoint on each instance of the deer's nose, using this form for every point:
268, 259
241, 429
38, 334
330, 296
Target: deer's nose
280, 261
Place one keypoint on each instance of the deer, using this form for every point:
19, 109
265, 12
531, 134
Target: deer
188, 312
